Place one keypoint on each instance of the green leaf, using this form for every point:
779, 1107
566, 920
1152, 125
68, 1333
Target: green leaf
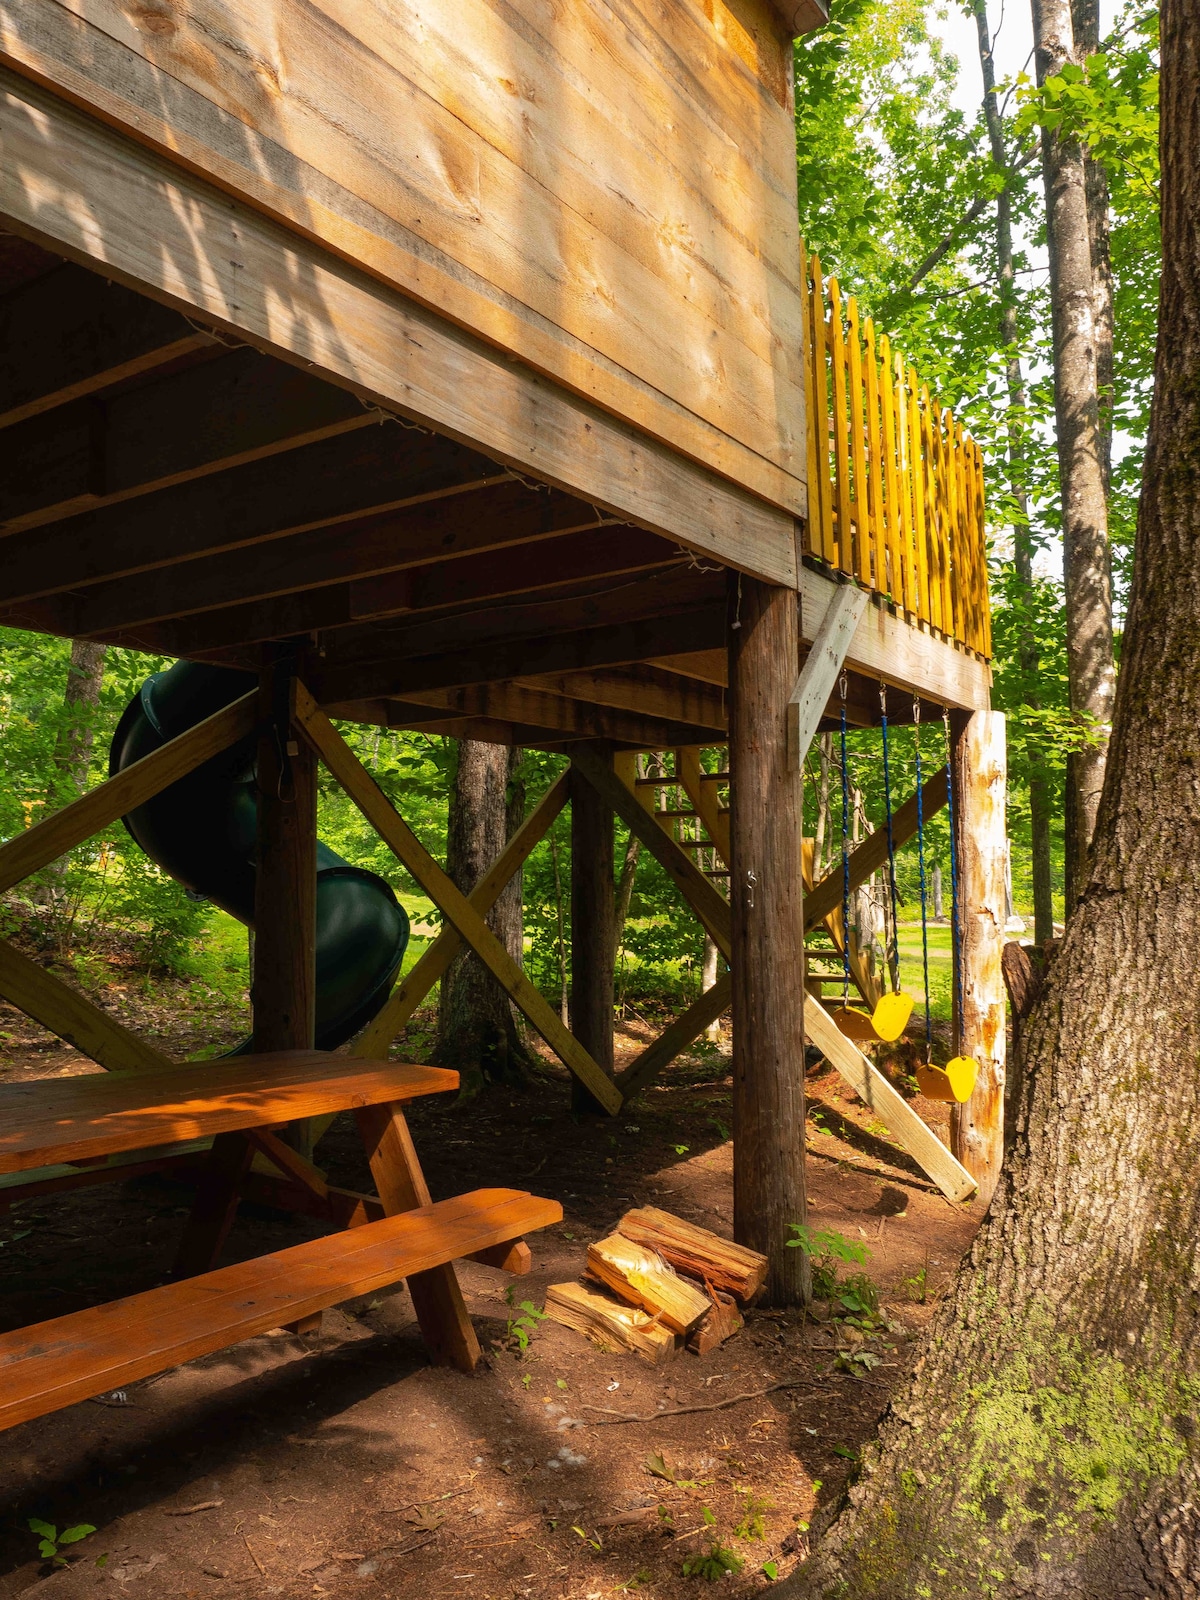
46, 1530
770, 1569
80, 1531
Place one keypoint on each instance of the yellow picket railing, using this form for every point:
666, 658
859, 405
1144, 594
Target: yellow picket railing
895, 487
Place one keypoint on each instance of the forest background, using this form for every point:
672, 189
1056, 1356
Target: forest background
899, 186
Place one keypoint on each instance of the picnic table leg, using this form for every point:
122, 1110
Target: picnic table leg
215, 1205
436, 1296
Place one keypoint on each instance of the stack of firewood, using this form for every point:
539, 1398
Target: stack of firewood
657, 1283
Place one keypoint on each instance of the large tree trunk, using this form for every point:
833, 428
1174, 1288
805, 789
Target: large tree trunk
1082, 477
1016, 424
477, 1035
1048, 1443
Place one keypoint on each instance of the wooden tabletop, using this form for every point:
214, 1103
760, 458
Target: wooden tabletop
99, 1114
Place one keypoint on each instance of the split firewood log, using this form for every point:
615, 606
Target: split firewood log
606, 1322
697, 1251
722, 1322
642, 1277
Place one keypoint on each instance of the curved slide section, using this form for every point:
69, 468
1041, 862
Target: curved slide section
201, 831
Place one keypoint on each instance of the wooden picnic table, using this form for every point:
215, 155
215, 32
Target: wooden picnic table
244, 1104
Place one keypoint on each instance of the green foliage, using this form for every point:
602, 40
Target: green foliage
51, 1542
825, 1249
519, 1329
717, 1561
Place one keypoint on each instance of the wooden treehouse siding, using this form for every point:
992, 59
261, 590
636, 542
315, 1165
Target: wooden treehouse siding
896, 487
606, 192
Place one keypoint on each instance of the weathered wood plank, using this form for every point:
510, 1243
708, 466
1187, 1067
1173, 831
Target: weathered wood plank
62, 167
511, 702
177, 427
821, 669
590, 176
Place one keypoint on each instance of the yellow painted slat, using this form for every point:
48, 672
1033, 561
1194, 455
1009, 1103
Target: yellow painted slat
891, 475
818, 322
841, 453
875, 448
858, 452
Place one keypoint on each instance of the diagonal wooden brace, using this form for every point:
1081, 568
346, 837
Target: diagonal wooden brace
695, 888
820, 671
474, 931
871, 854
433, 965
36, 848
686, 1028
53, 1003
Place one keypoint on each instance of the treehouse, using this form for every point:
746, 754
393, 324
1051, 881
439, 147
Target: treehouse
459, 367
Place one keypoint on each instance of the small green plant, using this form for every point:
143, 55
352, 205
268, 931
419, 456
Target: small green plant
520, 1329
715, 1122
825, 1249
680, 1149
560, 1383
770, 1569
916, 1288
715, 1562
753, 1523
51, 1542
526, 1380
641, 1576
592, 1541
845, 1451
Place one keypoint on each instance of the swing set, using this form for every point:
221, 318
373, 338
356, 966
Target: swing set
889, 1017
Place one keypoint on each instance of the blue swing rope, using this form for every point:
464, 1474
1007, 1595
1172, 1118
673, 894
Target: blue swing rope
893, 956
845, 857
924, 902
954, 931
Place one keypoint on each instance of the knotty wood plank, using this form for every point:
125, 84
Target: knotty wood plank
64, 1119
53, 1003
536, 707
409, 206
435, 961
404, 844
350, 329
53, 837
641, 688
55, 1363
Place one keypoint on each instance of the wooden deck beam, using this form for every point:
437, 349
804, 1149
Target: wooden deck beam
365, 477
510, 702
72, 333
522, 558
173, 427
641, 688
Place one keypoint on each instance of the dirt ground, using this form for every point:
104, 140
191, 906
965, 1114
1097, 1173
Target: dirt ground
343, 1465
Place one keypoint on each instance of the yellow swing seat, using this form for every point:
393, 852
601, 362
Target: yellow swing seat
955, 1081
891, 1016
855, 1024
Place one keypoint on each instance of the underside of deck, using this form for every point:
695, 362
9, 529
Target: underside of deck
171, 489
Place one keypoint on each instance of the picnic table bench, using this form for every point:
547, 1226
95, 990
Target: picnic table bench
243, 1104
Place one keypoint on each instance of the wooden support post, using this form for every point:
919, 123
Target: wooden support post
215, 1205
592, 924
436, 1296
285, 883
980, 776
766, 897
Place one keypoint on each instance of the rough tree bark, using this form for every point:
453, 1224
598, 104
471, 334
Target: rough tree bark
73, 744
477, 1034
1082, 478
1016, 423
1047, 1444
